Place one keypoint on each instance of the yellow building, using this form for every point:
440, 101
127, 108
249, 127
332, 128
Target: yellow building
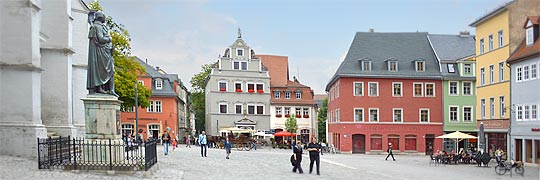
496, 38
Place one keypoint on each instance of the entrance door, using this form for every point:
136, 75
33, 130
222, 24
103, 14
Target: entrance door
359, 143
429, 145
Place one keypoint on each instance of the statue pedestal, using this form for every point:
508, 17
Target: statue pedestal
102, 115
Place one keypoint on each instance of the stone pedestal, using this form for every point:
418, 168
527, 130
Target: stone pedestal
102, 115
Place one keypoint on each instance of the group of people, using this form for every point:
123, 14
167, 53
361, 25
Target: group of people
314, 149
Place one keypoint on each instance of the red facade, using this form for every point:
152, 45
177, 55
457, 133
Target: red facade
407, 134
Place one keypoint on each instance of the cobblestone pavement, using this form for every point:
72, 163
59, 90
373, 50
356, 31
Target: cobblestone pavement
186, 163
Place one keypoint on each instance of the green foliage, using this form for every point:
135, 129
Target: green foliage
126, 67
291, 124
321, 119
198, 83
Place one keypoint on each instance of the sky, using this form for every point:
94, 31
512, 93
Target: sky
181, 36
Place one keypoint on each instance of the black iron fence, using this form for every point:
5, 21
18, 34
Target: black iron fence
95, 154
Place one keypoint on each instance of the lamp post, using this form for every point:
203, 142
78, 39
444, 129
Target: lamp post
136, 109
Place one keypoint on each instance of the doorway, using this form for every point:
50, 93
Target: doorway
359, 144
430, 139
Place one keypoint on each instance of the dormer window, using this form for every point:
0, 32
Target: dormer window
159, 83
420, 65
239, 52
392, 65
451, 68
529, 35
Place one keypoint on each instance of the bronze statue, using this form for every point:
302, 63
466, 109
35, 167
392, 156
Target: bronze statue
100, 75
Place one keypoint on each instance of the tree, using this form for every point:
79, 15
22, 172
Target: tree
198, 83
125, 66
321, 119
291, 124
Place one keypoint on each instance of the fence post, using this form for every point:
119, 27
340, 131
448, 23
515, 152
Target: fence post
74, 155
110, 155
49, 148
38, 154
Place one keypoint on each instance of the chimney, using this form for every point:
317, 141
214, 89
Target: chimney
464, 34
146, 60
157, 68
371, 30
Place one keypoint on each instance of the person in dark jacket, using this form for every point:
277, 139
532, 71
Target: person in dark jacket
390, 152
298, 157
166, 138
228, 147
314, 149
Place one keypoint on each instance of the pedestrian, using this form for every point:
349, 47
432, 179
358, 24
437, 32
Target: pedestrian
314, 149
202, 142
499, 154
297, 158
390, 152
188, 141
228, 147
166, 139
254, 146
173, 144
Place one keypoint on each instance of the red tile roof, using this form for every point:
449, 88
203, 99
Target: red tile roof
534, 19
278, 68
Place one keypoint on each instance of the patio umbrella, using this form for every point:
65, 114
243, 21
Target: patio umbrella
457, 136
283, 133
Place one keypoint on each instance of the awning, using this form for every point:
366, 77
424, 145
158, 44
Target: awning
284, 133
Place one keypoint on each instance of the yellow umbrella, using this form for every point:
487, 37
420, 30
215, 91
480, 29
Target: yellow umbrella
458, 136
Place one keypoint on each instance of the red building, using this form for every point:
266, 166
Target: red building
162, 114
387, 90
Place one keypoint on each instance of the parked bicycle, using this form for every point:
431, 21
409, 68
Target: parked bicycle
503, 167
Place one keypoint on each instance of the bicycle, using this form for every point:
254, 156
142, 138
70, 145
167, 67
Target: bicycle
503, 167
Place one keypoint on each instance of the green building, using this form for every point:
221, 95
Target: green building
456, 57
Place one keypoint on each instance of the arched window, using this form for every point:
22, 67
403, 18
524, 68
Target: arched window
394, 139
410, 142
376, 142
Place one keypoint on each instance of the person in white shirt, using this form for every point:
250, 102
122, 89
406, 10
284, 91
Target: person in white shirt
202, 142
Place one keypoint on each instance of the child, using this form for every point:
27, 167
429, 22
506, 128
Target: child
228, 147
174, 144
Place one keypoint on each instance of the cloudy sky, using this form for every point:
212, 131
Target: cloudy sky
179, 36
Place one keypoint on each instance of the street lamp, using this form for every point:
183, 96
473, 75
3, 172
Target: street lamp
136, 109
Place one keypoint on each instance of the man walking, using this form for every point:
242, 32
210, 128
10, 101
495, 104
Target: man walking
298, 158
202, 142
166, 138
390, 152
314, 148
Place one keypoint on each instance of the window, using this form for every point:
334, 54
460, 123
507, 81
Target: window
482, 76
398, 115
159, 83
358, 88
287, 94
533, 71
502, 108
287, 110
127, 129
410, 143
481, 46
277, 94
150, 108
453, 88
337, 115
491, 77
244, 65
238, 109
483, 108
260, 88
467, 68
278, 110
260, 109
238, 86
306, 112
519, 113
420, 66
519, 74
376, 142
373, 115
534, 112
526, 112
392, 66
358, 115
141, 82
501, 38
490, 42
454, 113
298, 95
236, 65
298, 111
529, 35
467, 88
222, 86
240, 52
525, 73
418, 89
251, 109
424, 115
251, 87
158, 106
396, 90
451, 68
501, 71
491, 107
366, 65
223, 108
467, 114
373, 88
430, 90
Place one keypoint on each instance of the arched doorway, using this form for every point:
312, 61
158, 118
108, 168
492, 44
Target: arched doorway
358, 143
